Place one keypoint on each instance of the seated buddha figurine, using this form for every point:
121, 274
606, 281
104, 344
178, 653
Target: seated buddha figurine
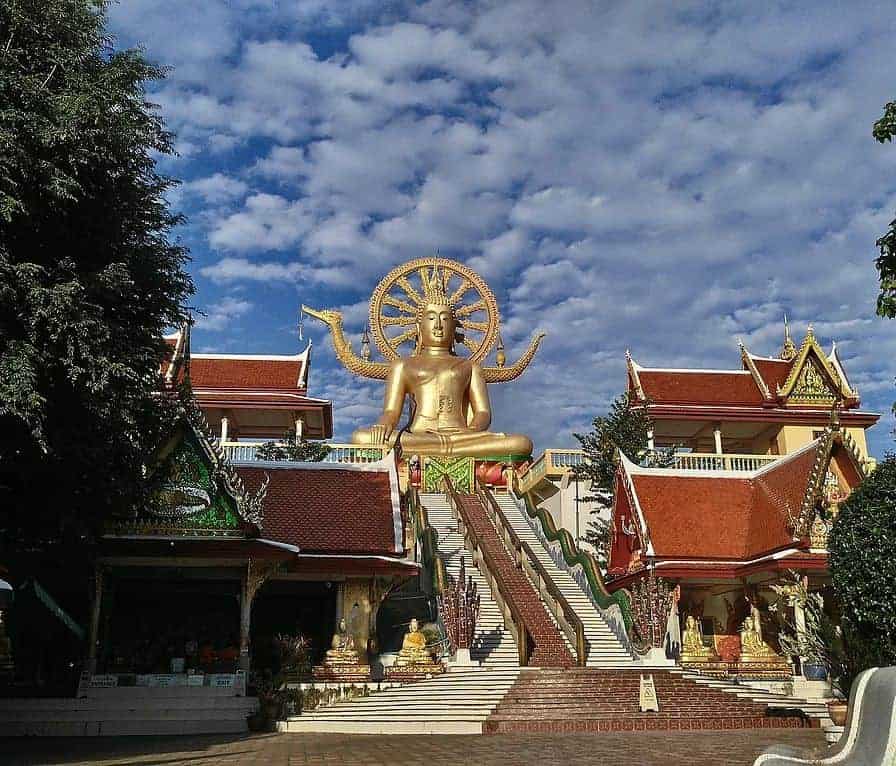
413, 647
452, 412
751, 644
692, 648
342, 651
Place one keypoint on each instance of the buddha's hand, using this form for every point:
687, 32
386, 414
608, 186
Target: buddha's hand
380, 433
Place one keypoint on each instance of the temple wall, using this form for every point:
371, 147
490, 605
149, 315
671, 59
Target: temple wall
564, 509
791, 438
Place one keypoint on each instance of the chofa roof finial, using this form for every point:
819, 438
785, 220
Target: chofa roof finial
788, 350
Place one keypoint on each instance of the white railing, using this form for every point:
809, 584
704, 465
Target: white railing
705, 461
241, 452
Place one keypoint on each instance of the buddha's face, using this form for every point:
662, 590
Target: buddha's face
691, 623
414, 625
436, 326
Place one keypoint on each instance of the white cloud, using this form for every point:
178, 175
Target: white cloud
660, 176
221, 315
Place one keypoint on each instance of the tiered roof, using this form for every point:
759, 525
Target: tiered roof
247, 381
801, 381
725, 522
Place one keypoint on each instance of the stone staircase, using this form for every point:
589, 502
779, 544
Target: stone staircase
591, 700
815, 710
458, 702
604, 648
550, 648
128, 711
493, 645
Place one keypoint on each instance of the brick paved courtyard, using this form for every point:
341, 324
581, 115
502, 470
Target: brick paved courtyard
638, 749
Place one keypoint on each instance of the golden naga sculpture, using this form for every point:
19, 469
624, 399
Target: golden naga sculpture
413, 647
434, 303
692, 647
342, 651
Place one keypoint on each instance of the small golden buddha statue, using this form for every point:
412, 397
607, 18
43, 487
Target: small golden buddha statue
342, 651
692, 648
752, 647
413, 647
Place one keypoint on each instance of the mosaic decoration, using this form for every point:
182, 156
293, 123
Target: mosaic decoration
811, 386
189, 495
459, 470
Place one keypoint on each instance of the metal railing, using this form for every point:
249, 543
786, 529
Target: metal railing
241, 452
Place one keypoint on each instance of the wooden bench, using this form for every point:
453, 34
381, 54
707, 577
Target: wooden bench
869, 738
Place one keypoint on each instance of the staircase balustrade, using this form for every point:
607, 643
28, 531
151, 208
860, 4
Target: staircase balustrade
487, 567
550, 594
572, 556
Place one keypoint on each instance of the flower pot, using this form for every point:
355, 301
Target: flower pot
837, 710
815, 671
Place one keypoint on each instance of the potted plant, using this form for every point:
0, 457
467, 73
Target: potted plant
818, 641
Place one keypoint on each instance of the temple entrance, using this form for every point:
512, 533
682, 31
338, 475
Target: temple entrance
168, 626
293, 607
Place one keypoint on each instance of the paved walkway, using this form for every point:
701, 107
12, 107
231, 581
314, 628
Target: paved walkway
639, 749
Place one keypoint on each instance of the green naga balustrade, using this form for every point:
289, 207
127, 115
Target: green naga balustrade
573, 555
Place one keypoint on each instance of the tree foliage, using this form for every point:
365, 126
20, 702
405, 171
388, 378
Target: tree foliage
89, 278
293, 449
862, 547
885, 130
624, 427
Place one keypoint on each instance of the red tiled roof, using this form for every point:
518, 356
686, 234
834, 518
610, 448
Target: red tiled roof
242, 372
330, 510
699, 387
773, 371
690, 515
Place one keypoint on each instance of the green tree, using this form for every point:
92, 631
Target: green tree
885, 130
291, 448
89, 277
624, 427
862, 548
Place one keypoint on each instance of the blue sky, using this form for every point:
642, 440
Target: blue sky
664, 177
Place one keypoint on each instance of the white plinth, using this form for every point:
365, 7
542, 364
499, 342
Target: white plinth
833, 733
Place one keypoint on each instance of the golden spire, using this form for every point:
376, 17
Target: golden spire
788, 350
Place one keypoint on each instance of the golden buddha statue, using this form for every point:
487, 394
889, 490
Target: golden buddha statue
752, 647
451, 412
413, 647
692, 647
342, 651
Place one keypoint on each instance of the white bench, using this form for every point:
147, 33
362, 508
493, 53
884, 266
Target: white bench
869, 738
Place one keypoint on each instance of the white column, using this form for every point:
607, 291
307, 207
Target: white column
223, 429
300, 425
650, 439
94, 630
717, 435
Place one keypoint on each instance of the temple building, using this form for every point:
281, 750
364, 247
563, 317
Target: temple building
763, 456
771, 406
434, 542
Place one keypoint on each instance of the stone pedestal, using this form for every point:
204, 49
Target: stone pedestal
463, 659
341, 674
811, 690
416, 672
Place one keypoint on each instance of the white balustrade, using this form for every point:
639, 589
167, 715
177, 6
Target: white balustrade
241, 452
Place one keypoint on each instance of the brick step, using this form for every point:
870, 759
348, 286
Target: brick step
640, 724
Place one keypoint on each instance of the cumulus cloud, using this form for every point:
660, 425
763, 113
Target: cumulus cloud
661, 176
221, 314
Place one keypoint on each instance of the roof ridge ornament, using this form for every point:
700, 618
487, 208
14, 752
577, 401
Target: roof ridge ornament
754, 371
788, 350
